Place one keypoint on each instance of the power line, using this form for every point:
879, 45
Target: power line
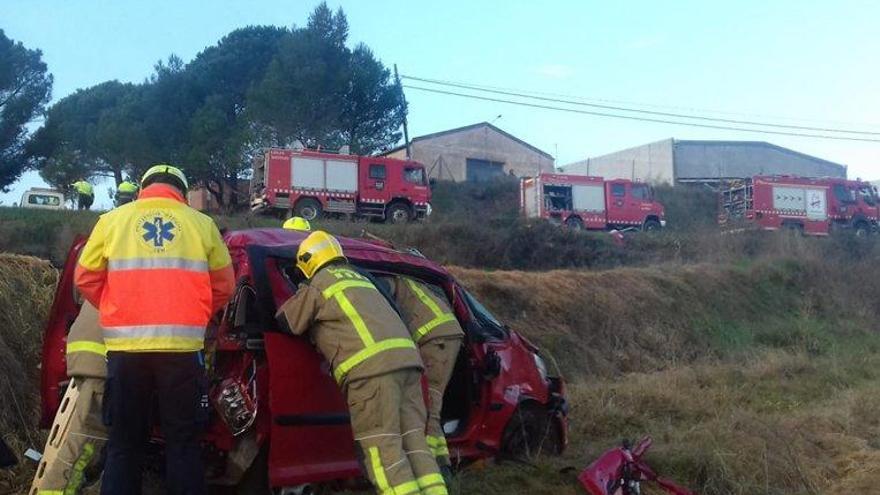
636, 110
641, 119
673, 107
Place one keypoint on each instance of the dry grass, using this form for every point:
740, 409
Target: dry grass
779, 423
27, 287
758, 378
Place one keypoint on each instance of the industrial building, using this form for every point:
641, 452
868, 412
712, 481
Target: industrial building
475, 153
674, 161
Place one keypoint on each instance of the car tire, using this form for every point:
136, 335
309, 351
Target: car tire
308, 208
398, 213
531, 432
862, 230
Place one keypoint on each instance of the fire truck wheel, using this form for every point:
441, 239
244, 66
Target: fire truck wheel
651, 225
531, 432
307, 208
398, 213
574, 223
862, 229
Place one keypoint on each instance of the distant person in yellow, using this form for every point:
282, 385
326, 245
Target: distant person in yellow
126, 192
85, 194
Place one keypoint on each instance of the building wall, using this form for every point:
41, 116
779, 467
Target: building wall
445, 156
652, 162
696, 160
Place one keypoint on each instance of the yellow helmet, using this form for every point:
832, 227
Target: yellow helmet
174, 173
318, 249
297, 223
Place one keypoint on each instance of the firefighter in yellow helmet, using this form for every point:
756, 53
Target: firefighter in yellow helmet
297, 223
374, 361
438, 335
126, 192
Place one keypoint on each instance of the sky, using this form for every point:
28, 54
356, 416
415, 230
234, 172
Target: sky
794, 62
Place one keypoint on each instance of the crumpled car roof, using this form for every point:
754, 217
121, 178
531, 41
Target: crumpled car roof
357, 250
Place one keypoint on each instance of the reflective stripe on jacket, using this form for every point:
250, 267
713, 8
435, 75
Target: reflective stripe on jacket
426, 314
86, 353
351, 323
157, 270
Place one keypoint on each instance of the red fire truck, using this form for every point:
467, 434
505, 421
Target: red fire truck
814, 206
310, 183
586, 202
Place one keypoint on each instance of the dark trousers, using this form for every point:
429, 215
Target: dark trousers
135, 381
84, 201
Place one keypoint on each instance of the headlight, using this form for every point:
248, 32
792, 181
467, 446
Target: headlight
541, 365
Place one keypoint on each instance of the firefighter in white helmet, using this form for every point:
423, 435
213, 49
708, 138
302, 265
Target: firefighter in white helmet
374, 361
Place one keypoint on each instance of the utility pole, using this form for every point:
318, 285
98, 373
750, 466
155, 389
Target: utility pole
405, 112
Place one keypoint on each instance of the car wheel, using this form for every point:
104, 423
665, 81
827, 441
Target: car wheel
531, 432
308, 208
574, 223
398, 213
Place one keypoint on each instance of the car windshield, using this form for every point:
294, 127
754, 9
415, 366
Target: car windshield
481, 313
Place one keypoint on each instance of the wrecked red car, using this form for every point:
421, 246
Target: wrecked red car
279, 417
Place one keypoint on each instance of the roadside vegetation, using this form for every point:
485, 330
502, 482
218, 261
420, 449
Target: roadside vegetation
752, 358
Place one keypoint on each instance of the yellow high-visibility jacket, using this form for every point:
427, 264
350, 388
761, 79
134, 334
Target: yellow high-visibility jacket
157, 270
351, 323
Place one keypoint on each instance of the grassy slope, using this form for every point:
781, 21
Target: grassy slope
758, 378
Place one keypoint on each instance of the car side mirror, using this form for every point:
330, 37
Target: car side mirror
432, 182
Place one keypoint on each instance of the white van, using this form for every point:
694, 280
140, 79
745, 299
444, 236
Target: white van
47, 199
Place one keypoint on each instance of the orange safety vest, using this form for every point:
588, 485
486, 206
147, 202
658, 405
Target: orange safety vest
157, 270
